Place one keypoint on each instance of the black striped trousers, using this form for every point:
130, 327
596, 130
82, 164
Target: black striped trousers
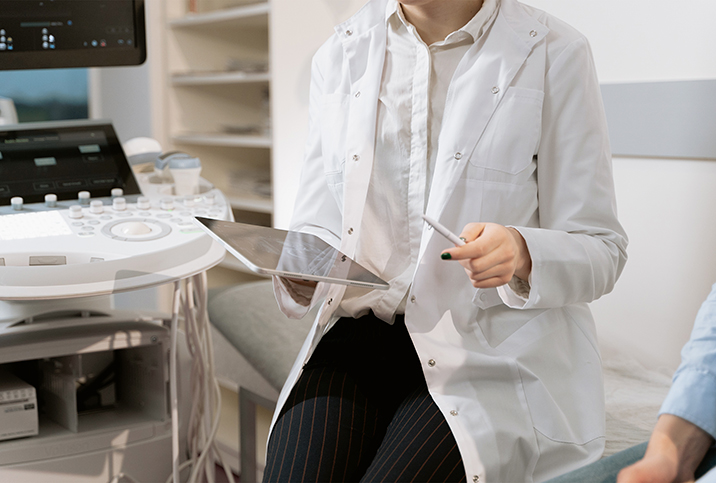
361, 411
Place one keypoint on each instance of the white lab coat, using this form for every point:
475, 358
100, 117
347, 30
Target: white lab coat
524, 144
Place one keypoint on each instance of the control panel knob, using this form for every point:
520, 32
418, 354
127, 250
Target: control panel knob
84, 197
75, 211
116, 192
189, 201
96, 207
50, 200
143, 203
16, 202
167, 204
119, 204
210, 198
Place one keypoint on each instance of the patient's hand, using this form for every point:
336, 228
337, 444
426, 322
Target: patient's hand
657, 468
676, 448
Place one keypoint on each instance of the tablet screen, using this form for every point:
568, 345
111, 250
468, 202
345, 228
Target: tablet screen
289, 253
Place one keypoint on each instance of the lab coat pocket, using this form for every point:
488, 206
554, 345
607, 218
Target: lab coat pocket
334, 122
560, 373
511, 138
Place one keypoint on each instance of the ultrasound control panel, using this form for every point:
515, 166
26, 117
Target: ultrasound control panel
71, 244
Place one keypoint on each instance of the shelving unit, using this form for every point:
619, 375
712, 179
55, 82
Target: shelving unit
80, 428
216, 102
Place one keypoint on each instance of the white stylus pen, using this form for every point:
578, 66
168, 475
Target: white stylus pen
444, 231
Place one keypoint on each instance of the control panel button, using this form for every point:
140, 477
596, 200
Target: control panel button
50, 200
119, 204
96, 207
167, 204
16, 202
210, 198
116, 192
143, 203
47, 260
75, 211
83, 197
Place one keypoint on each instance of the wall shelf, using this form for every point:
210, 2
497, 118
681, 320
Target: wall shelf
216, 103
254, 13
200, 79
227, 140
249, 203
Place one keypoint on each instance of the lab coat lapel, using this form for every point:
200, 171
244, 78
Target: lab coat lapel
364, 48
479, 84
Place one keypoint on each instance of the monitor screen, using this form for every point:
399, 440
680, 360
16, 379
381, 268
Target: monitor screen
41, 34
62, 158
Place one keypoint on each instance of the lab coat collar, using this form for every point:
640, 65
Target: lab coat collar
364, 39
487, 70
372, 14
509, 42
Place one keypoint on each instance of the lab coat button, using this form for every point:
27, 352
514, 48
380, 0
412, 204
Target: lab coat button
458, 156
412, 299
453, 413
349, 32
358, 94
431, 362
350, 231
329, 301
533, 33
483, 296
495, 90
476, 479
356, 157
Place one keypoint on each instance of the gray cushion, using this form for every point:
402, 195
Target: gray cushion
249, 317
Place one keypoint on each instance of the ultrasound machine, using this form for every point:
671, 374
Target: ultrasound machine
92, 390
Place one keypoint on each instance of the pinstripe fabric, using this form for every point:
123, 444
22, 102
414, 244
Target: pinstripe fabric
361, 412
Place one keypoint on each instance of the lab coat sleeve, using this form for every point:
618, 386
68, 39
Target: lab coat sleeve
579, 249
316, 210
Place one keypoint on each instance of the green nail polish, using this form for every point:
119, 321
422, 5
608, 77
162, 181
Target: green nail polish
445, 256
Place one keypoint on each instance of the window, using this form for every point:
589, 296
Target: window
46, 94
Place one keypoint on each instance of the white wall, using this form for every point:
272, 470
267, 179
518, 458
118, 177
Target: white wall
298, 28
130, 96
667, 206
644, 40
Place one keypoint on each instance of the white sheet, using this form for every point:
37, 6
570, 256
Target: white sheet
633, 397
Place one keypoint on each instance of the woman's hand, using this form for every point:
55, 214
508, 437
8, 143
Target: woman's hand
492, 254
300, 281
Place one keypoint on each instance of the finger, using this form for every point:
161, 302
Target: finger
488, 241
482, 248
489, 283
472, 231
504, 272
497, 258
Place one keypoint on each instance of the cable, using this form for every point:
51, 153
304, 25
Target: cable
205, 410
122, 476
173, 381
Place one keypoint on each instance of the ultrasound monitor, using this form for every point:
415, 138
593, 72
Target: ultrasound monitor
62, 158
42, 34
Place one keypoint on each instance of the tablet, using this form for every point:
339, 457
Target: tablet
291, 254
